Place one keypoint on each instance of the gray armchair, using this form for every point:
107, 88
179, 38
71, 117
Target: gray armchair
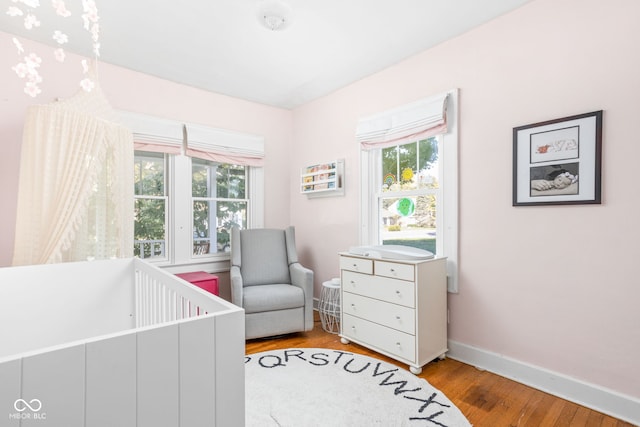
267, 280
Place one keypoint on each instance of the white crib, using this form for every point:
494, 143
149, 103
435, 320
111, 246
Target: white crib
117, 343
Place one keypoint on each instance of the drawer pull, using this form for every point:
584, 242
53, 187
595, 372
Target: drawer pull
398, 345
397, 317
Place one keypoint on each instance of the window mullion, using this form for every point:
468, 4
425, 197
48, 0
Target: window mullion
181, 207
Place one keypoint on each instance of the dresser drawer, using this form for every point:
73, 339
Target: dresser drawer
386, 339
383, 288
394, 316
356, 264
395, 271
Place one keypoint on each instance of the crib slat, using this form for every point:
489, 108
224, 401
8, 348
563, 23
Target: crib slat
197, 373
158, 377
56, 378
230, 369
10, 390
162, 297
153, 304
174, 305
164, 305
111, 382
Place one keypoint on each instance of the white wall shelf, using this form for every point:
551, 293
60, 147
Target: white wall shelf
323, 179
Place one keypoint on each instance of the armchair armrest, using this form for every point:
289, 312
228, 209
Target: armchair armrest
303, 278
236, 285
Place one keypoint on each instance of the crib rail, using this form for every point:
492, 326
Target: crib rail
183, 365
162, 297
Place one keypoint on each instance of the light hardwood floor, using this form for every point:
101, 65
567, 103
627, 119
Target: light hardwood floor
486, 399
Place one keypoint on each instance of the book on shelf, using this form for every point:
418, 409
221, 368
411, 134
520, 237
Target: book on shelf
319, 177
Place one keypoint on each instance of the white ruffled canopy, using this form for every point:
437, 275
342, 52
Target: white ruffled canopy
75, 199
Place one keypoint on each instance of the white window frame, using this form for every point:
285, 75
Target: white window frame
212, 200
180, 224
447, 205
166, 200
178, 174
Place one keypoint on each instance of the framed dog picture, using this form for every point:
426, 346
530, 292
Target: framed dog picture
558, 162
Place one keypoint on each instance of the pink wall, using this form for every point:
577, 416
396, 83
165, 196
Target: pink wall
128, 90
555, 287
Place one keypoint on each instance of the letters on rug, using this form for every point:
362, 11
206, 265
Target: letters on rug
305, 387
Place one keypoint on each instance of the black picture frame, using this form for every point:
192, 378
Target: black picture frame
558, 162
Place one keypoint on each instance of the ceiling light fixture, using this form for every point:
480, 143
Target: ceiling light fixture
274, 15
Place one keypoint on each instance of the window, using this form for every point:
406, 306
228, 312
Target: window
408, 194
150, 199
192, 185
219, 204
409, 184
219, 201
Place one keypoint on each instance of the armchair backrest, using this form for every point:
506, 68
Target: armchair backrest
263, 255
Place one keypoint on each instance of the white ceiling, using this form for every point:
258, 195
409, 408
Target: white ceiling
220, 45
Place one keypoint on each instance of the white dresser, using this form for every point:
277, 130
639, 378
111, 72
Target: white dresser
397, 308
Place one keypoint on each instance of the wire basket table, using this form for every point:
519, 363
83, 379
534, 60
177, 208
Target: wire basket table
329, 306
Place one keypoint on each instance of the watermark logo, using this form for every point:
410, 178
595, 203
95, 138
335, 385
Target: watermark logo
28, 410
21, 405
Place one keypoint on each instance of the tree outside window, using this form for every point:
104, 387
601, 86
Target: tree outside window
150, 205
219, 204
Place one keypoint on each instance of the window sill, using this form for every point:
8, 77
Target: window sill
205, 263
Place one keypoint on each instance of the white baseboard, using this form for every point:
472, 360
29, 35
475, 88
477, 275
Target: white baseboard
598, 398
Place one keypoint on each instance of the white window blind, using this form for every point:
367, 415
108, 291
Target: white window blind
173, 137
154, 134
410, 122
224, 146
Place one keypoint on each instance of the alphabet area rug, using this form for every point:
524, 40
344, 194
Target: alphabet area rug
306, 387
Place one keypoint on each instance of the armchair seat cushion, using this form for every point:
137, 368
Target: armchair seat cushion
257, 299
